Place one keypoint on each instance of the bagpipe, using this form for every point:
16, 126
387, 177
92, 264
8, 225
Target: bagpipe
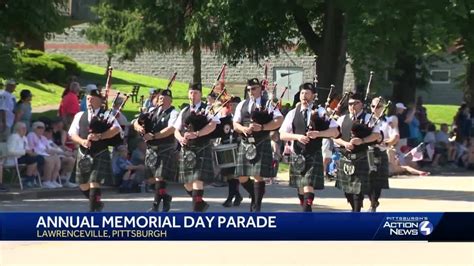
145, 117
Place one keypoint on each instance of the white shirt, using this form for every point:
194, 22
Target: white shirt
238, 110
7, 103
17, 145
39, 144
376, 129
179, 120
74, 129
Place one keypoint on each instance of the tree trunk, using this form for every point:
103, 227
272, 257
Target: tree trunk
469, 92
197, 60
404, 84
330, 47
34, 43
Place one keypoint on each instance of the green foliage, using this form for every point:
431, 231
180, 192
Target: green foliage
32, 53
37, 65
9, 60
24, 20
42, 68
72, 67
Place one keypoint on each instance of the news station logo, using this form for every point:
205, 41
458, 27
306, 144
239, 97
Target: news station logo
408, 226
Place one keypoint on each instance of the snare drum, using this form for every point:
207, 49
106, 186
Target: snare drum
225, 155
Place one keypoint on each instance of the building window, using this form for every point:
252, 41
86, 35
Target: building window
440, 76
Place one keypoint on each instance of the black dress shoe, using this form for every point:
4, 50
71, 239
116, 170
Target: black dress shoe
373, 207
99, 206
201, 206
154, 208
167, 202
228, 202
307, 208
237, 200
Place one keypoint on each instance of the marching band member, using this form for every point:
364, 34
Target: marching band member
90, 174
306, 167
353, 169
191, 131
379, 178
254, 122
161, 157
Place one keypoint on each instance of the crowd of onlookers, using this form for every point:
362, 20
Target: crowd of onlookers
48, 154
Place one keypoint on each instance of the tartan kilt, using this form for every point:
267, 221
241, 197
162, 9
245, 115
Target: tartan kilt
379, 179
261, 166
203, 169
166, 161
359, 181
312, 174
101, 169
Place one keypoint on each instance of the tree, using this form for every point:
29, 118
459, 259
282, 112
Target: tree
398, 37
31, 22
459, 17
133, 27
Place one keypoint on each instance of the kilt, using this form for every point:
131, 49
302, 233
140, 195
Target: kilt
166, 161
101, 169
203, 169
312, 174
379, 179
359, 181
261, 165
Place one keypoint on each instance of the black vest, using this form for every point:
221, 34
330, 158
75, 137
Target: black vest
160, 122
346, 129
96, 146
246, 118
299, 127
186, 113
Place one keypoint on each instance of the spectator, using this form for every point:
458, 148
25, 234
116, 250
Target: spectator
52, 163
7, 106
444, 144
138, 158
124, 170
23, 108
415, 133
430, 139
421, 115
462, 120
403, 117
18, 147
67, 159
60, 136
149, 101
69, 105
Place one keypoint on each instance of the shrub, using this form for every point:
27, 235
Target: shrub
72, 68
42, 68
32, 53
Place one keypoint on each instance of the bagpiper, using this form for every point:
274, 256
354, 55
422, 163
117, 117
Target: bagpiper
306, 126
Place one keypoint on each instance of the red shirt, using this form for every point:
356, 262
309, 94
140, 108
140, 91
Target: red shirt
69, 104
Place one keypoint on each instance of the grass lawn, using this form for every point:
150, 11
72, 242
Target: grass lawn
441, 113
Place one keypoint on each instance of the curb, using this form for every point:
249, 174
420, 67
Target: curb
41, 193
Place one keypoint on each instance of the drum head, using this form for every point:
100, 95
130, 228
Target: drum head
226, 155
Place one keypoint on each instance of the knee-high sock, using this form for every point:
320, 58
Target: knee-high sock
259, 191
374, 196
249, 187
350, 199
358, 202
94, 198
86, 193
160, 190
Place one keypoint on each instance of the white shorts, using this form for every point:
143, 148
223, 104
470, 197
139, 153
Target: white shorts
326, 148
